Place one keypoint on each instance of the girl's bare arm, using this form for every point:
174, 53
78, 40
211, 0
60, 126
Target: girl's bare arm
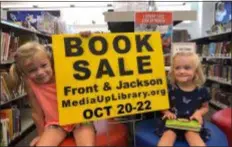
204, 108
37, 113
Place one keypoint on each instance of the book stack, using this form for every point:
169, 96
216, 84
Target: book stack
220, 95
10, 125
7, 91
10, 42
215, 49
9, 45
218, 72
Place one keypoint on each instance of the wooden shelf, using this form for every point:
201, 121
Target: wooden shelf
212, 36
6, 62
218, 104
216, 57
6, 24
12, 100
215, 79
26, 125
26, 119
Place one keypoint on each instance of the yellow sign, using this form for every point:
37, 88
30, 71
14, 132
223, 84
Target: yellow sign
108, 75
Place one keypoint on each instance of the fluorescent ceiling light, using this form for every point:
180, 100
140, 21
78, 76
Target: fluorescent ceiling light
186, 21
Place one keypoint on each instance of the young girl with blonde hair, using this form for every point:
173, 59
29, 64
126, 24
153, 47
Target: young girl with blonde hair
188, 99
33, 66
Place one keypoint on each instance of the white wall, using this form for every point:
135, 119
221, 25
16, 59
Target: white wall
193, 27
207, 16
3, 14
205, 19
79, 18
82, 19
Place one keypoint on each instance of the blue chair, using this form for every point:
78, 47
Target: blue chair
145, 135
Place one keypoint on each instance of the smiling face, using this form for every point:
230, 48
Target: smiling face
38, 68
184, 69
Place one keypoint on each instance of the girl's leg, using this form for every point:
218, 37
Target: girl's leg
168, 138
84, 135
52, 136
194, 139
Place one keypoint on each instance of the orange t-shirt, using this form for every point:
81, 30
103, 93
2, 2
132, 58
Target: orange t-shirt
47, 99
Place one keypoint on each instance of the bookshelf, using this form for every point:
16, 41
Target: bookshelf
5, 104
12, 36
18, 28
213, 36
218, 104
219, 80
27, 126
216, 56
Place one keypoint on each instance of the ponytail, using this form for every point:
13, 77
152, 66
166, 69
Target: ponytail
15, 76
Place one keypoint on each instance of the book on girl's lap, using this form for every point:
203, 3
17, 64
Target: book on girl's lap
183, 124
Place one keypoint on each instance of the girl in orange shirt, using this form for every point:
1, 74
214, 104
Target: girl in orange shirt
33, 66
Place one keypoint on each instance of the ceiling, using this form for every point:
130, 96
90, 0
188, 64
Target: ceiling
17, 4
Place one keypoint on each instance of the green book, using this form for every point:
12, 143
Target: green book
183, 124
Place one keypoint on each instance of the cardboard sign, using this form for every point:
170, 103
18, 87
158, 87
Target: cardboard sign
183, 47
108, 75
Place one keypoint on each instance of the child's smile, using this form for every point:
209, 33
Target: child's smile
39, 69
184, 69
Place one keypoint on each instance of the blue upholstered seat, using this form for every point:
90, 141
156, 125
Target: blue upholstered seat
145, 135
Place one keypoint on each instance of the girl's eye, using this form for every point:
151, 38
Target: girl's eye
177, 68
31, 70
187, 67
44, 65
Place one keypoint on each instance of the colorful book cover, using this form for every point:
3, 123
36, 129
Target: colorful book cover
1, 134
9, 115
212, 48
183, 124
156, 21
5, 132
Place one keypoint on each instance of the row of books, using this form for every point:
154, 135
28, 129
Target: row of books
220, 95
219, 71
217, 49
10, 126
8, 92
10, 42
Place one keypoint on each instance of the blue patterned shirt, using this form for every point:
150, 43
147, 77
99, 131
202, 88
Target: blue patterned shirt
183, 103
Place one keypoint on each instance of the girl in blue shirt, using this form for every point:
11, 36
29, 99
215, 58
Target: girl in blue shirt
188, 99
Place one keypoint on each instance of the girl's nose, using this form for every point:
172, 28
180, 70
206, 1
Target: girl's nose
181, 70
40, 72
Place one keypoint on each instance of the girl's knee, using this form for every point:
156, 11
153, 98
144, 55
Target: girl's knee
85, 129
52, 136
170, 133
84, 135
190, 134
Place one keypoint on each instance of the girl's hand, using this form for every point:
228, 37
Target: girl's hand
169, 115
197, 116
85, 34
35, 141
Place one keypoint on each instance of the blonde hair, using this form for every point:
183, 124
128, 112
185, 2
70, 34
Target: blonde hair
26, 51
199, 78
